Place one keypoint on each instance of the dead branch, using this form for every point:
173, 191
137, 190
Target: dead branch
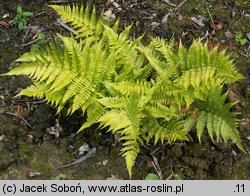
20, 117
31, 42
65, 26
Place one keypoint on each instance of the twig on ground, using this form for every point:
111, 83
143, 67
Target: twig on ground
169, 3
211, 18
155, 150
81, 159
31, 42
17, 33
165, 18
34, 102
205, 36
20, 117
241, 17
157, 166
224, 41
180, 5
39, 14
65, 26
59, 2
243, 54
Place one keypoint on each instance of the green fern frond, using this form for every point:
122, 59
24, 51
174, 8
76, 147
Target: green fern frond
129, 61
82, 97
130, 151
182, 57
115, 120
94, 113
130, 135
140, 71
201, 123
200, 77
113, 102
166, 50
160, 111
217, 117
76, 85
190, 95
169, 131
84, 23
63, 80
64, 76
225, 67
152, 58
126, 88
35, 90
126, 120
194, 56
55, 99
210, 126
189, 124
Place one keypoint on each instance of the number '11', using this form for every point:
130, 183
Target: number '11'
240, 188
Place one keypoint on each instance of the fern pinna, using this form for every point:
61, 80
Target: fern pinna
138, 91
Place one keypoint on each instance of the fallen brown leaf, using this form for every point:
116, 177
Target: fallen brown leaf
2, 137
114, 177
217, 25
34, 174
5, 24
55, 130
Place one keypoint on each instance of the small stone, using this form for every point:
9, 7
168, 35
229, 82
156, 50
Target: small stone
165, 18
2, 137
248, 36
83, 148
109, 15
114, 177
105, 162
154, 24
117, 5
234, 153
228, 34
34, 174
6, 16
30, 138
199, 20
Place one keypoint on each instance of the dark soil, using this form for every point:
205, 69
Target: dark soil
28, 151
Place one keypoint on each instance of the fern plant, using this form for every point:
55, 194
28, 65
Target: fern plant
141, 92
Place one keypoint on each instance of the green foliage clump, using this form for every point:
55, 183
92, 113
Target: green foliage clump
142, 92
152, 176
21, 18
240, 37
61, 177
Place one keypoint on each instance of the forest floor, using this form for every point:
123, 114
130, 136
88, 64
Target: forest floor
34, 141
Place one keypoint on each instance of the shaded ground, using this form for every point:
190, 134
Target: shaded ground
34, 153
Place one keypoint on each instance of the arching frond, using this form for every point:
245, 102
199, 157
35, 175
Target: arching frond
84, 23
94, 113
37, 90
215, 114
125, 118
